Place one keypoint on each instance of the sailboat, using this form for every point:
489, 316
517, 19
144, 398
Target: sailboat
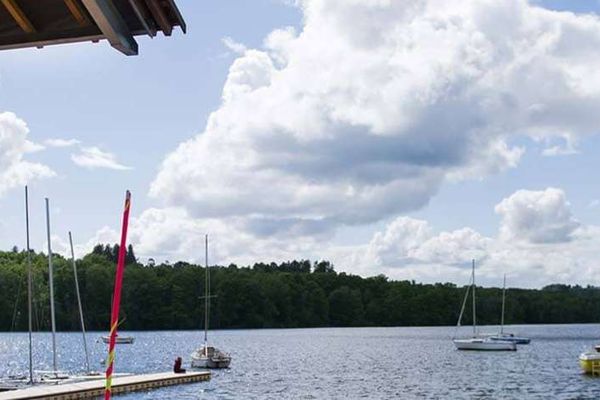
208, 356
504, 336
477, 342
13, 383
53, 376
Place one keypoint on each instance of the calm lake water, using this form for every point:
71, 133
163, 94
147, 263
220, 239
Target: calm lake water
336, 363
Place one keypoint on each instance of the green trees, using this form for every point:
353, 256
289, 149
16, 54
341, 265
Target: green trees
297, 293
345, 307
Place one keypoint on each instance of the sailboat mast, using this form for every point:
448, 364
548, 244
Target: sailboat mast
474, 310
206, 292
503, 302
87, 358
464, 303
29, 288
51, 284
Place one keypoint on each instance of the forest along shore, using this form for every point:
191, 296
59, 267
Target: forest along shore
287, 295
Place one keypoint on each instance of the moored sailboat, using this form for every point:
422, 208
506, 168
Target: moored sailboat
504, 336
54, 375
477, 342
208, 356
16, 382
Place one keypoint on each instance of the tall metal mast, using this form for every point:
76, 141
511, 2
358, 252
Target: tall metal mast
29, 288
87, 358
503, 301
474, 310
51, 284
206, 293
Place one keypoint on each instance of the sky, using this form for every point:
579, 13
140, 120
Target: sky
391, 137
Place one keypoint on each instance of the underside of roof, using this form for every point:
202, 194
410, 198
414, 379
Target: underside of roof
38, 23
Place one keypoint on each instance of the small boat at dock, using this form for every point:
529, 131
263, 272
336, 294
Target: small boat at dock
208, 356
119, 339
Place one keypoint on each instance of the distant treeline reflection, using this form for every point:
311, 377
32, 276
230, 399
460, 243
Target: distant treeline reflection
287, 295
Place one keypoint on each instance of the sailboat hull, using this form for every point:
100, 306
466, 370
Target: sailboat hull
210, 358
484, 345
511, 338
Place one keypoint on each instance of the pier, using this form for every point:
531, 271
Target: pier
95, 388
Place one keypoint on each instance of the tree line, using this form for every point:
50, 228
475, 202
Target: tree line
264, 295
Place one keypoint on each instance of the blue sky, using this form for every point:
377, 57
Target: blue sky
140, 109
136, 107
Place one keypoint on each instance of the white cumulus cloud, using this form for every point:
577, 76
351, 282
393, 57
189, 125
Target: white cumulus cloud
539, 243
236, 47
537, 216
14, 170
367, 110
93, 157
58, 142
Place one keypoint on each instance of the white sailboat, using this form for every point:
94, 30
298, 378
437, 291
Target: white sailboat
16, 382
505, 336
477, 342
54, 375
208, 356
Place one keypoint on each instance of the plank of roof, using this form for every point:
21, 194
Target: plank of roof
77, 12
160, 17
141, 11
112, 25
18, 15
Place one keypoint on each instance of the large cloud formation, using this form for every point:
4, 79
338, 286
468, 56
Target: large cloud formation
405, 248
375, 103
538, 242
14, 170
537, 216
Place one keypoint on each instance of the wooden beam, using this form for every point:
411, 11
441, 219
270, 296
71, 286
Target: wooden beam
112, 25
77, 12
178, 15
18, 15
141, 11
160, 17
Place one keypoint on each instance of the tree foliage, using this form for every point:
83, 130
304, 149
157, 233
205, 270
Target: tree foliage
264, 295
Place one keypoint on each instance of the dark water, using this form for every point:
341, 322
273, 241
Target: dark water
373, 363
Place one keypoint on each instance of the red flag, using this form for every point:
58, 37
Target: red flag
114, 319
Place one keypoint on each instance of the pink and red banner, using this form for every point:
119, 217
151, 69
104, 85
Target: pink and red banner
114, 319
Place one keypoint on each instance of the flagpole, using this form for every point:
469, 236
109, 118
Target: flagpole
29, 288
114, 320
85, 348
51, 283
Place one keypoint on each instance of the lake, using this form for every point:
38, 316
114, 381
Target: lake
340, 363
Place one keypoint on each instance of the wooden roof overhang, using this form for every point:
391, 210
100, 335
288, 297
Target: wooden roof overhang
38, 23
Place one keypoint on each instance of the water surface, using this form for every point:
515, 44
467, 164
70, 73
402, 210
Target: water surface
338, 363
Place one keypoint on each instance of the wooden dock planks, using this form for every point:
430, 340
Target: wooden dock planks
94, 389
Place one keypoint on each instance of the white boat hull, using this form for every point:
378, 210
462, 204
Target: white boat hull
200, 362
484, 345
510, 338
211, 358
119, 339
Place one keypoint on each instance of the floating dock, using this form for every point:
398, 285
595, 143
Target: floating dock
95, 388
